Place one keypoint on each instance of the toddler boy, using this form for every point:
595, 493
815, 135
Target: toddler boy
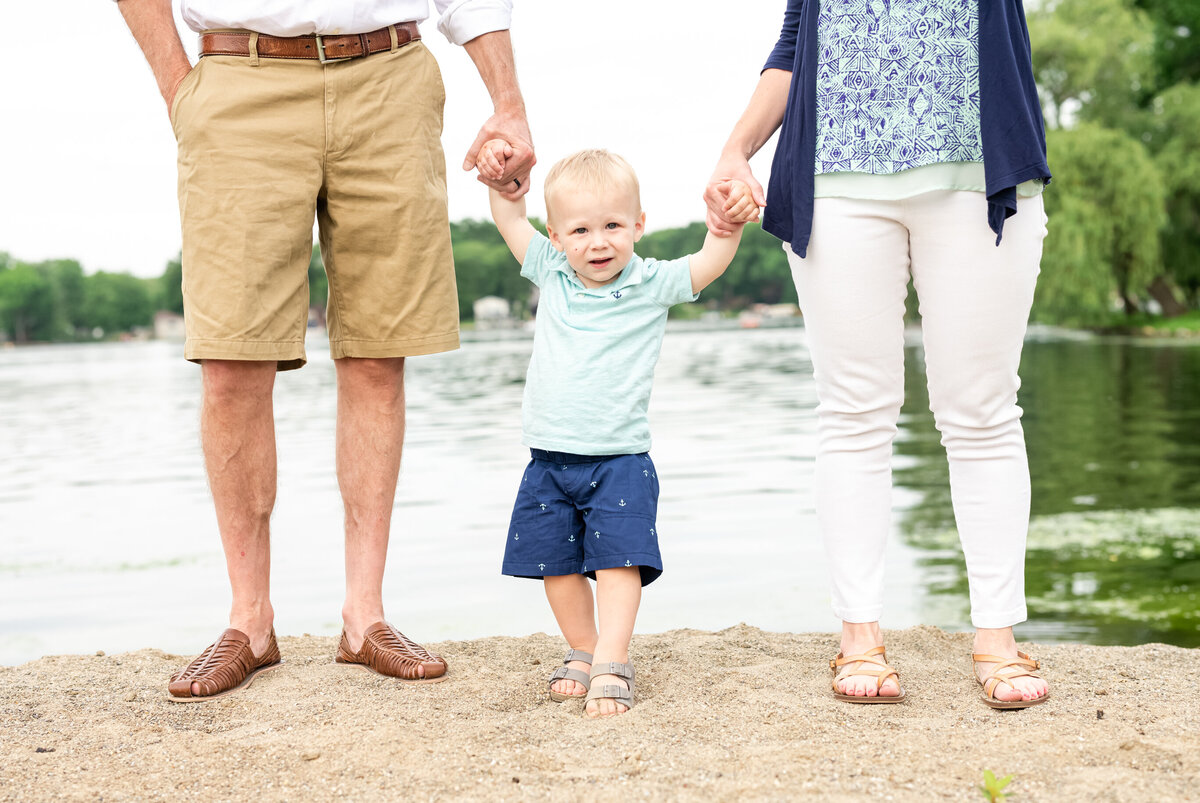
588, 501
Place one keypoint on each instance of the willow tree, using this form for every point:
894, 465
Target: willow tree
1106, 211
1175, 142
1093, 59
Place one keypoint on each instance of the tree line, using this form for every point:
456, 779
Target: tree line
1120, 85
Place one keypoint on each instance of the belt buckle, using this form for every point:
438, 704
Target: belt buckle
321, 52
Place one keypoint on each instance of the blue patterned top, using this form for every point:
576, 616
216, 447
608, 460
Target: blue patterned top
897, 84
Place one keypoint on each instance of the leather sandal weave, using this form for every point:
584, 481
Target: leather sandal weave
577, 675
872, 663
227, 665
1005, 671
387, 651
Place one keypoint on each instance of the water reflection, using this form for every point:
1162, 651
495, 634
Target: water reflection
107, 536
1113, 428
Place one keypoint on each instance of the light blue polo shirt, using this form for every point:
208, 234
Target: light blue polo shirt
594, 351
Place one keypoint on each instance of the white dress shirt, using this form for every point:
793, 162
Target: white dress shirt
459, 20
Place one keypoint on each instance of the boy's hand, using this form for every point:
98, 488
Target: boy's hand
739, 205
492, 157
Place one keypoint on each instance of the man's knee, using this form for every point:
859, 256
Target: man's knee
377, 375
237, 381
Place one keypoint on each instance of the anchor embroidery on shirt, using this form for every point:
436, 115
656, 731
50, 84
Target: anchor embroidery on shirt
616, 293
543, 507
621, 503
542, 567
652, 531
593, 485
597, 533
627, 563
645, 473
516, 537
572, 538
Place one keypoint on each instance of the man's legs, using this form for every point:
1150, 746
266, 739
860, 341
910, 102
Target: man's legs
237, 431
370, 437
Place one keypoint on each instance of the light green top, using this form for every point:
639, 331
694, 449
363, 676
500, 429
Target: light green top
594, 352
907, 183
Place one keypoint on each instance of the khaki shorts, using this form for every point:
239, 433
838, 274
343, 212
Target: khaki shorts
263, 149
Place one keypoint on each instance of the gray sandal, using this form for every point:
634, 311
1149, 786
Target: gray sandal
577, 675
612, 691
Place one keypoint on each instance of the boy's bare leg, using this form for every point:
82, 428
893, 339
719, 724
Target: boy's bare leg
370, 438
618, 594
237, 433
570, 597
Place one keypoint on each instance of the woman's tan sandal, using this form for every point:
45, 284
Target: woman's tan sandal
1005, 671
611, 691
564, 672
858, 665
227, 665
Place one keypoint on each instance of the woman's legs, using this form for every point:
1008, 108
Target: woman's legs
975, 299
851, 288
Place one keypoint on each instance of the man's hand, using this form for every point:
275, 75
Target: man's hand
724, 212
174, 90
493, 57
512, 130
491, 158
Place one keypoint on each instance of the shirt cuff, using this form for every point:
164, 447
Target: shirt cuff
466, 19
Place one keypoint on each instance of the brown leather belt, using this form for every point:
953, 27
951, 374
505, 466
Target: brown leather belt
339, 47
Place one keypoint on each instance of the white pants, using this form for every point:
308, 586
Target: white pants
974, 302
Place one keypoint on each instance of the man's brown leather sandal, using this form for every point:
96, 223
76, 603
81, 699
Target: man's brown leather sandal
227, 665
872, 663
387, 651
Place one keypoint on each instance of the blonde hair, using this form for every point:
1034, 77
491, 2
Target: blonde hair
594, 168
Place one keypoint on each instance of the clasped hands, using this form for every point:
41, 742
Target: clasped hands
495, 159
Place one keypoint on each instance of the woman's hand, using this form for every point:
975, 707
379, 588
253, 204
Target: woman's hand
725, 212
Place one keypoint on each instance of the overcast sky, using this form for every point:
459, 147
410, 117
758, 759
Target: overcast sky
89, 157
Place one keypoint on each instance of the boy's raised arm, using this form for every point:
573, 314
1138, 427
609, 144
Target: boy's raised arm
512, 223
714, 257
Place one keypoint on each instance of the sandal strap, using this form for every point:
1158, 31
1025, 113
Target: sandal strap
614, 668
872, 657
577, 655
1019, 667
869, 657
577, 675
611, 691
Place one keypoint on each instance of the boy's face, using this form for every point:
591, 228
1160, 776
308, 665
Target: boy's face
596, 229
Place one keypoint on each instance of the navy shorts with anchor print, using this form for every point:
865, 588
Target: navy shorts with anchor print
576, 514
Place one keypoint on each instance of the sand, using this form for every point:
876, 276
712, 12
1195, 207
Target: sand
741, 713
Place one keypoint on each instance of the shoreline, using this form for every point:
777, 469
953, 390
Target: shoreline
736, 713
1133, 333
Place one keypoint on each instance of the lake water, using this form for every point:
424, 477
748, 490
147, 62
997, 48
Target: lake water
108, 540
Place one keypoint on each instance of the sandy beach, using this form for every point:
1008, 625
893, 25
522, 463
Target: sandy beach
740, 713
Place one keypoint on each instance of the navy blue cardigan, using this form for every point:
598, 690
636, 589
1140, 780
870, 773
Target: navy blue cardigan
1014, 140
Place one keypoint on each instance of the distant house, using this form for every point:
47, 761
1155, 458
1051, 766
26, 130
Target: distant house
493, 312
168, 325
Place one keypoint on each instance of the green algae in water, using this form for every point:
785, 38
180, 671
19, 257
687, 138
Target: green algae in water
1105, 577
1115, 576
